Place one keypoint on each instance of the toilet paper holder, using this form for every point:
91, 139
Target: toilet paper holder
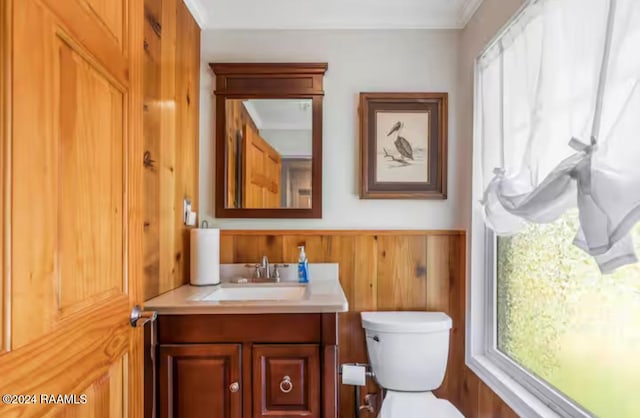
368, 372
369, 399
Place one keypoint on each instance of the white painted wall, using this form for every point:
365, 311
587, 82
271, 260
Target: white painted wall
359, 61
289, 142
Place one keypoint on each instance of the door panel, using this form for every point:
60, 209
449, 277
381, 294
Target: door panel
85, 27
286, 380
111, 14
90, 180
273, 171
105, 394
261, 174
252, 162
33, 258
195, 381
73, 200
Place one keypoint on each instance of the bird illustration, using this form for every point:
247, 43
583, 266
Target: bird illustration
396, 128
404, 147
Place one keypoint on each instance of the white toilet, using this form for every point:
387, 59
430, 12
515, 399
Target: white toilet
408, 353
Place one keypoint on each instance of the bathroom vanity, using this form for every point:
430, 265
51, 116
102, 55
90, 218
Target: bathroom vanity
249, 350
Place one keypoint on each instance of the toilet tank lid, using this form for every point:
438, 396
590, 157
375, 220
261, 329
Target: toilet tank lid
413, 322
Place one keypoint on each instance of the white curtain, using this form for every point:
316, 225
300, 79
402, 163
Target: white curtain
559, 123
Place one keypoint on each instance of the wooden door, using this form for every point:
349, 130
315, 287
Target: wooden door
72, 224
272, 174
286, 381
200, 381
261, 172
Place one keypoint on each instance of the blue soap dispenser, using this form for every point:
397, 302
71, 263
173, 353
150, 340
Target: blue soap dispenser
303, 266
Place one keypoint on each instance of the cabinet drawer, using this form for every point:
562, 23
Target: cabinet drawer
286, 380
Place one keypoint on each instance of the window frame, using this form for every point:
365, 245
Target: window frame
525, 393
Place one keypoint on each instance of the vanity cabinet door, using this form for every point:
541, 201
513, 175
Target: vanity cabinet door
286, 380
200, 380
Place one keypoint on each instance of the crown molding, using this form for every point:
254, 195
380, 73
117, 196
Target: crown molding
466, 11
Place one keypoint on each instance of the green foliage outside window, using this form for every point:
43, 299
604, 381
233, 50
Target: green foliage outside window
560, 318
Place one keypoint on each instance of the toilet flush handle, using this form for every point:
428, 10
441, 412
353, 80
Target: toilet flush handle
375, 338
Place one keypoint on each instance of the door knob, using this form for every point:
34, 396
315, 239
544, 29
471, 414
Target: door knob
139, 317
234, 387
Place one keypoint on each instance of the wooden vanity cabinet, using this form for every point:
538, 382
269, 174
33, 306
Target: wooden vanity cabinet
247, 366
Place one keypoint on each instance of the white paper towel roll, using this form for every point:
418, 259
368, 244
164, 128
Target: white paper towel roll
354, 375
205, 256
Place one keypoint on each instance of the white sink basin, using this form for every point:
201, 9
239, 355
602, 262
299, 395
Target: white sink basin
249, 293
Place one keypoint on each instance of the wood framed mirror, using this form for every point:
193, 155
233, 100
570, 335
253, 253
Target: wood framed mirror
268, 140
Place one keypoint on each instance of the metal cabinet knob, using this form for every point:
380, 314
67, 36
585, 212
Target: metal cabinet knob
285, 385
234, 387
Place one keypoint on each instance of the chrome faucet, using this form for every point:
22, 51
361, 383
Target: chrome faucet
266, 267
265, 271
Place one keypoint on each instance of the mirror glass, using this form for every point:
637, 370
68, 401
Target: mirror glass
268, 153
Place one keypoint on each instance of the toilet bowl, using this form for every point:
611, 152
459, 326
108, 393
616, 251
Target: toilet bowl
416, 404
408, 354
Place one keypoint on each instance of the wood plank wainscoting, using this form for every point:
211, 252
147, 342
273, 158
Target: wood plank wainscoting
385, 270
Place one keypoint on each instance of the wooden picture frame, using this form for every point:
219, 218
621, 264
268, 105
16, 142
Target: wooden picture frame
403, 145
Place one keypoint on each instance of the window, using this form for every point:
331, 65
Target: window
546, 330
561, 320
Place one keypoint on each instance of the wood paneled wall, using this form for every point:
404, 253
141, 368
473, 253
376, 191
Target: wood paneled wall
171, 87
5, 107
385, 270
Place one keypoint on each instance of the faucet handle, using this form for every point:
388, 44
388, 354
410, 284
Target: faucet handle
275, 274
258, 269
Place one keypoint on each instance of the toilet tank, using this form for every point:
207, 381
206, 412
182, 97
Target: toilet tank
408, 351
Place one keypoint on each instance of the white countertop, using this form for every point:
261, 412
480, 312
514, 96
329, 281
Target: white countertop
323, 294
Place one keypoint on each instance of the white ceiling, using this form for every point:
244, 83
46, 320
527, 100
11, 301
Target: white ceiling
332, 14
280, 114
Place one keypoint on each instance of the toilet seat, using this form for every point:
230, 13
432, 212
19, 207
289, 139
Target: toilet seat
416, 405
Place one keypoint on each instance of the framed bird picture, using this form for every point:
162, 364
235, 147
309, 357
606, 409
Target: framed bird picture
403, 143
